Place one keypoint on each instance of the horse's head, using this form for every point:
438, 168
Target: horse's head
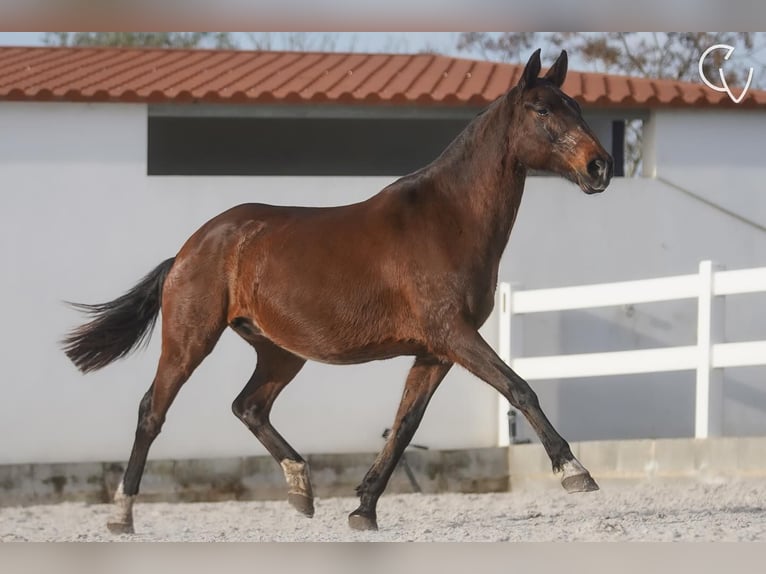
550, 132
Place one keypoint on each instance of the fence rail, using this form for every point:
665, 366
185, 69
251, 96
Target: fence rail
707, 357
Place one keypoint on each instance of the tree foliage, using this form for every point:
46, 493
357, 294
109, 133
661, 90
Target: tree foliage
143, 39
298, 41
670, 55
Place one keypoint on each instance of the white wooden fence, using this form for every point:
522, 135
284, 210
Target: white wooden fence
708, 357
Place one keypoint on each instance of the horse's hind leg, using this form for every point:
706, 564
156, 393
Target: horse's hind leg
275, 369
184, 345
423, 379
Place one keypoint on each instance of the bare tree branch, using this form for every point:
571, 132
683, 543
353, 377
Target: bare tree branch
142, 39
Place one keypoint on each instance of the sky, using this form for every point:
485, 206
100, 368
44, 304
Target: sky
20, 38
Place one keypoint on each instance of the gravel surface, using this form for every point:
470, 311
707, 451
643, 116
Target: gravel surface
733, 511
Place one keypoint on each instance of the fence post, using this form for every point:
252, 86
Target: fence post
708, 414
504, 314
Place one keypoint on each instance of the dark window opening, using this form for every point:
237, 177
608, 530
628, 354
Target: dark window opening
618, 148
628, 147
284, 146
295, 146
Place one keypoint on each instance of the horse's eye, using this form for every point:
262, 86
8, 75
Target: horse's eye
542, 111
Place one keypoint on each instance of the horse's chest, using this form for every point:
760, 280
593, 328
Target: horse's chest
480, 297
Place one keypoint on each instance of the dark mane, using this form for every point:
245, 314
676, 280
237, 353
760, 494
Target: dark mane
459, 150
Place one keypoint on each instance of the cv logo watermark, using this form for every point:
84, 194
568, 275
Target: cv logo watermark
725, 86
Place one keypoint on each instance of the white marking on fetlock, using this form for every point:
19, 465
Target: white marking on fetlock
123, 513
573, 468
297, 477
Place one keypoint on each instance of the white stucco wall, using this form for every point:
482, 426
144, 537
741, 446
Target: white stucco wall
716, 154
81, 221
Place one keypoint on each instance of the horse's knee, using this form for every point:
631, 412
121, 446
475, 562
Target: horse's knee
252, 414
524, 398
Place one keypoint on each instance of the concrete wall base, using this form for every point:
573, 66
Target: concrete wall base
518, 467
252, 478
609, 462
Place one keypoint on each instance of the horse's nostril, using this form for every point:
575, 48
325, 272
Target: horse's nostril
596, 168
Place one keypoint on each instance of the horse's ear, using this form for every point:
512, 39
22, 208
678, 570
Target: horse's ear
558, 72
531, 71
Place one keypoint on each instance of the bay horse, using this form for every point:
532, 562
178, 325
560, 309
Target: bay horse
410, 271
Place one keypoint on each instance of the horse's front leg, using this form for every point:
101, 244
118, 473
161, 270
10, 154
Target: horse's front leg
467, 348
423, 379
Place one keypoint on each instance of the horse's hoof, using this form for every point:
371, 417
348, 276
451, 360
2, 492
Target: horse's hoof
362, 522
579, 483
120, 527
301, 503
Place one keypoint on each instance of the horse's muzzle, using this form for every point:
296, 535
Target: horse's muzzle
600, 170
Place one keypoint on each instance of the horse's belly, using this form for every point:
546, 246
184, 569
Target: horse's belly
338, 331
337, 350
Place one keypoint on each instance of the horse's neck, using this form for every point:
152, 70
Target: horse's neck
484, 183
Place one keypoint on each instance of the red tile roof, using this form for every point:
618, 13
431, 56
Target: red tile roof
227, 76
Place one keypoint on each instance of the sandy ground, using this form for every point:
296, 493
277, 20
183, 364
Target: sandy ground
733, 511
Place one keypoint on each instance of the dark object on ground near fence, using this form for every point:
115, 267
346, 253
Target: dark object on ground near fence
512, 431
406, 465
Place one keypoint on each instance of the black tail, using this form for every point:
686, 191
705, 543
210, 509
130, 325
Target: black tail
119, 326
